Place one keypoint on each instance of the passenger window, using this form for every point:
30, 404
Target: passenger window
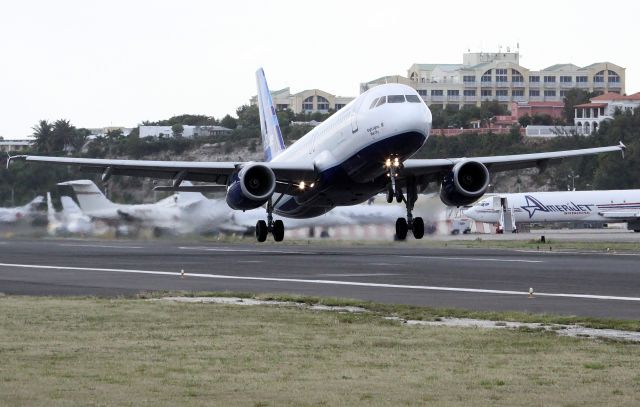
382, 101
412, 98
373, 104
396, 98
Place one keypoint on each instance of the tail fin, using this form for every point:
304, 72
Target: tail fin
69, 205
89, 196
271, 135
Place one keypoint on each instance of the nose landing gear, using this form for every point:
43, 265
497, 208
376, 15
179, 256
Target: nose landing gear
404, 225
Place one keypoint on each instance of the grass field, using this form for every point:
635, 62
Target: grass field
135, 352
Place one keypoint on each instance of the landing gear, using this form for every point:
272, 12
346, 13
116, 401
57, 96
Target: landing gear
404, 225
276, 228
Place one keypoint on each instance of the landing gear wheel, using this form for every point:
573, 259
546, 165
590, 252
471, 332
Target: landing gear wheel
389, 193
401, 228
398, 195
418, 228
261, 231
278, 230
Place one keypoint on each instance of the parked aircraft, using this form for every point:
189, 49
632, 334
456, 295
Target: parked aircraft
70, 220
563, 206
360, 151
11, 215
192, 212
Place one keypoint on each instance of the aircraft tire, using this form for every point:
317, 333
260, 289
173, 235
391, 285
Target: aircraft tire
401, 229
261, 231
418, 228
389, 194
278, 230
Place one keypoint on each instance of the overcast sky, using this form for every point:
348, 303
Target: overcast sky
121, 62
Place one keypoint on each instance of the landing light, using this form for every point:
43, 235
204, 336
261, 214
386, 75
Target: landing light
388, 162
396, 162
301, 185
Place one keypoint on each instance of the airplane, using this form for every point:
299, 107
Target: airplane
614, 206
192, 212
11, 215
70, 220
361, 150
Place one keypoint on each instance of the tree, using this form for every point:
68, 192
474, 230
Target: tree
248, 116
43, 134
177, 130
229, 122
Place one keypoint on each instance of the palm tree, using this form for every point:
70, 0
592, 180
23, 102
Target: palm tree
43, 133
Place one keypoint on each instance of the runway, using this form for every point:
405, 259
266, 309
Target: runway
585, 284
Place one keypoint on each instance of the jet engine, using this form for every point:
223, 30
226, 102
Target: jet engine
251, 187
465, 183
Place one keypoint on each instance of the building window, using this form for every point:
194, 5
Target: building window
501, 75
486, 92
549, 79
565, 79
516, 76
453, 92
436, 92
323, 103
502, 92
517, 92
534, 79
422, 92
468, 78
307, 104
534, 92
339, 106
613, 77
469, 92
549, 92
581, 79
283, 106
599, 77
486, 77
563, 93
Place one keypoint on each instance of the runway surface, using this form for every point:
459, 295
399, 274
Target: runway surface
585, 284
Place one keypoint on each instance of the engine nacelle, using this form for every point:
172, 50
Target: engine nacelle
251, 187
465, 183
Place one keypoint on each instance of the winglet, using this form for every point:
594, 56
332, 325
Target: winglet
271, 134
623, 148
15, 157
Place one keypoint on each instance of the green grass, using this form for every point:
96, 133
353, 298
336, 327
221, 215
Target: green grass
75, 351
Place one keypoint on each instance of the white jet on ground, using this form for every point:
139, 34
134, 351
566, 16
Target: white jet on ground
12, 215
562, 206
361, 150
192, 212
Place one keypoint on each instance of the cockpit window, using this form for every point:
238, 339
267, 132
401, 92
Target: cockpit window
412, 98
382, 101
373, 104
396, 98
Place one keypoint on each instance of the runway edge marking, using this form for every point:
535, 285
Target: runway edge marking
328, 282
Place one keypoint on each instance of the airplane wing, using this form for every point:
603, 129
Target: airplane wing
498, 163
287, 174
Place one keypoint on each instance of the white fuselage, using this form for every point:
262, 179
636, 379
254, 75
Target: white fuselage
349, 149
562, 206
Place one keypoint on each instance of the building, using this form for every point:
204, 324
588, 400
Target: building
307, 101
499, 76
588, 116
15, 145
188, 131
553, 109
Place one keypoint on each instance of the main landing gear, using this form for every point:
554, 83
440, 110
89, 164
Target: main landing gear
404, 225
270, 226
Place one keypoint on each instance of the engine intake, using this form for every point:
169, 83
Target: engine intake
465, 183
251, 187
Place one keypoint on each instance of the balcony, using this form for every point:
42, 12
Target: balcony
519, 99
517, 84
550, 84
502, 98
503, 84
470, 84
567, 85
453, 98
437, 98
470, 98
582, 85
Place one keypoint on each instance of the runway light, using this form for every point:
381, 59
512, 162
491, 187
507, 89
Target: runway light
531, 292
182, 273
301, 185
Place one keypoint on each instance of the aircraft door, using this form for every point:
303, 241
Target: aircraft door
354, 122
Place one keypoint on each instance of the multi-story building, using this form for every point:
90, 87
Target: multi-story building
187, 131
307, 101
499, 76
15, 145
588, 116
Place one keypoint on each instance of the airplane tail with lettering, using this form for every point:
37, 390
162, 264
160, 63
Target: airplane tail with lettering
272, 141
89, 195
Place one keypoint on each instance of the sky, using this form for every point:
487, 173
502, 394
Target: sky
118, 63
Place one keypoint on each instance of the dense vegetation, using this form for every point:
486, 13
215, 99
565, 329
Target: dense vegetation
22, 182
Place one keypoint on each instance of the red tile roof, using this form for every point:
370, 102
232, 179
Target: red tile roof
591, 105
615, 96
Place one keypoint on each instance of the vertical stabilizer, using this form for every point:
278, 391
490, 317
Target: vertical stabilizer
89, 196
271, 135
